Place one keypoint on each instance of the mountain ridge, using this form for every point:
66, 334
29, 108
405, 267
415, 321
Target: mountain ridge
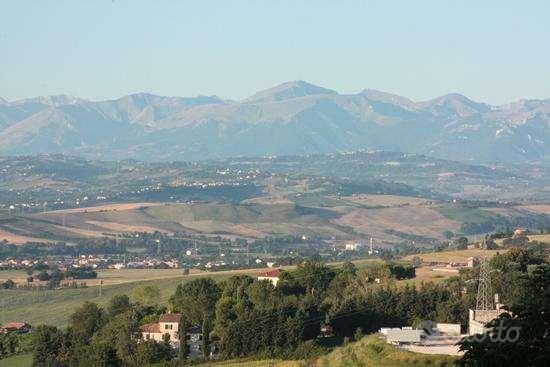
291, 118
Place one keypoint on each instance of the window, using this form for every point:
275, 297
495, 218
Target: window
167, 326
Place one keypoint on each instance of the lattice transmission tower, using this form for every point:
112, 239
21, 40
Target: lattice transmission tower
485, 296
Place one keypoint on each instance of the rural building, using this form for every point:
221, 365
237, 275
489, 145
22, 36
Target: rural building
521, 232
352, 246
479, 318
448, 328
16, 327
401, 336
168, 324
472, 262
271, 275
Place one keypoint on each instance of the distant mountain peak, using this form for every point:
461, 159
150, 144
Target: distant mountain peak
289, 90
52, 100
376, 95
455, 103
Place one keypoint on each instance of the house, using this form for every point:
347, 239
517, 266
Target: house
271, 275
17, 327
472, 262
168, 324
352, 246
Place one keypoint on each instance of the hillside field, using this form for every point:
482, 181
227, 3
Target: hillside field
390, 219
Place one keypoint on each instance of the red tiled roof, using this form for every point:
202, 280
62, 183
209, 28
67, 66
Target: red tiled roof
150, 328
275, 273
170, 317
15, 325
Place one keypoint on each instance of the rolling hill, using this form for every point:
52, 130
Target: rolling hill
291, 118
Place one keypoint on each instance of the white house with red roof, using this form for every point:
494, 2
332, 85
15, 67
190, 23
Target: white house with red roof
167, 324
271, 276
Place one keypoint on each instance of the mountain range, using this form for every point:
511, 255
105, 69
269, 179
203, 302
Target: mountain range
294, 118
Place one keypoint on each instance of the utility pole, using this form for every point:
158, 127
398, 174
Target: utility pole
2, 318
371, 248
247, 253
100, 287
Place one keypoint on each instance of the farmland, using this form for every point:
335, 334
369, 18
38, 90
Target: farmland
390, 219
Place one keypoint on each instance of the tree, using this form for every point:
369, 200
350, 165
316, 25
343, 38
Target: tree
448, 234
146, 295
43, 276
314, 277
196, 299
47, 341
150, 352
206, 330
85, 321
8, 284
118, 304
183, 351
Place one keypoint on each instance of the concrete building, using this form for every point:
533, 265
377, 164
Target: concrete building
401, 336
453, 329
478, 319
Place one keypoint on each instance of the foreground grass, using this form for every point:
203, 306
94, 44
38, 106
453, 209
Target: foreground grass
373, 352
53, 307
368, 352
262, 363
22, 360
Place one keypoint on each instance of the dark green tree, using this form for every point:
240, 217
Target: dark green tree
118, 304
196, 299
47, 342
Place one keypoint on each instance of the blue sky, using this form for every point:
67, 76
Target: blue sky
493, 51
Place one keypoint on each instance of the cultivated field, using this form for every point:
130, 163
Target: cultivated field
389, 219
384, 200
413, 220
18, 239
459, 256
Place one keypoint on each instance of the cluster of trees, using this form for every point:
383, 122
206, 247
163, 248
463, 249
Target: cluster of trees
247, 317
499, 223
101, 337
55, 276
8, 284
13, 343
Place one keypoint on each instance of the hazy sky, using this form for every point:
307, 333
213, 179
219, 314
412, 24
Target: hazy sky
493, 51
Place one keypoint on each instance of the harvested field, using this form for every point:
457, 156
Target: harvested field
415, 220
106, 207
385, 200
19, 239
120, 227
